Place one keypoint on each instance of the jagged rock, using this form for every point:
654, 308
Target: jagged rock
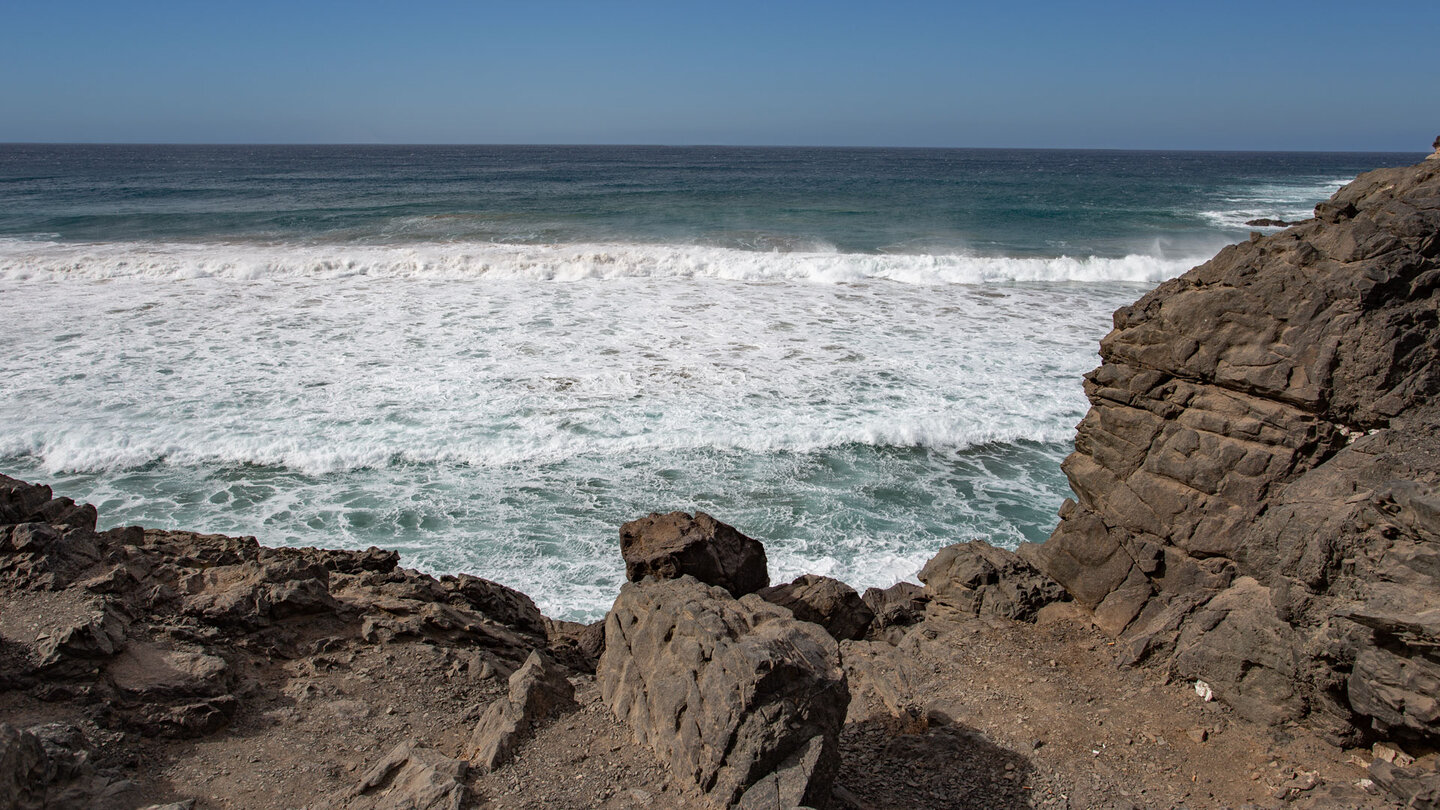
881, 680
24, 768
676, 544
827, 602
1253, 504
100, 635
253, 593
497, 602
1413, 786
978, 578
538, 690
726, 692
410, 777
897, 606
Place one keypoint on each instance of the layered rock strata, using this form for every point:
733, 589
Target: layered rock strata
1256, 503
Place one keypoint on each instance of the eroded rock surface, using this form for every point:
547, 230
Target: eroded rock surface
1255, 479
825, 601
675, 544
734, 695
978, 578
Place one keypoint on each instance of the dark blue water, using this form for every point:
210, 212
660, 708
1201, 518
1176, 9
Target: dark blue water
980, 201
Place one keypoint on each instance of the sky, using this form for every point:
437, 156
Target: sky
1208, 75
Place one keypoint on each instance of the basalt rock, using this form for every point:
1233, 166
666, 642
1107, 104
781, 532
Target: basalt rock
411, 777
674, 545
978, 578
1255, 502
151, 631
735, 695
827, 602
539, 690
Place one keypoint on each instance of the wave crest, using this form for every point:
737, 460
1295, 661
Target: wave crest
25, 260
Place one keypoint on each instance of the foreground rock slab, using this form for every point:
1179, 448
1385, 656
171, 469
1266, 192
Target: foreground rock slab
736, 696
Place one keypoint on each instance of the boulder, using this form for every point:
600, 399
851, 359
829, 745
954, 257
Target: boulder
827, 602
676, 544
736, 696
897, 606
977, 578
24, 768
538, 690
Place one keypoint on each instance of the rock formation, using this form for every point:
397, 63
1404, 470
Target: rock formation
666, 546
827, 602
734, 695
978, 578
1256, 477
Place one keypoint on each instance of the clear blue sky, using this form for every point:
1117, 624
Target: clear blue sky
1197, 75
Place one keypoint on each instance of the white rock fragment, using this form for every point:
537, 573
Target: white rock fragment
1204, 691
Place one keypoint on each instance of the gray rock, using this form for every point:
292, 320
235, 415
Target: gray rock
538, 690
1253, 479
410, 777
827, 602
732, 695
978, 578
24, 768
676, 544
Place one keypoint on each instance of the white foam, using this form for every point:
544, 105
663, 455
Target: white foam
506, 426
28, 259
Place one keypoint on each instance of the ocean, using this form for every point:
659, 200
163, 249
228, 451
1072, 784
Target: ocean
488, 358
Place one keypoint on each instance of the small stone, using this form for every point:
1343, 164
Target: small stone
1199, 735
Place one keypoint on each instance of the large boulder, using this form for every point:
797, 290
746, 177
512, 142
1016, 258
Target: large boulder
827, 602
736, 696
676, 544
1253, 505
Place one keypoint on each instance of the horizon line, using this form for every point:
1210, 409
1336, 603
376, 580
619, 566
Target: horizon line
706, 146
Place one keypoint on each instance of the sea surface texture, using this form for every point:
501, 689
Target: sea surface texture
490, 357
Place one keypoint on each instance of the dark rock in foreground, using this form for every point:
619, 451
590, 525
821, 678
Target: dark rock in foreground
676, 544
734, 695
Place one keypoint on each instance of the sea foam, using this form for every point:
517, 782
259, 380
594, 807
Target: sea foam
31, 259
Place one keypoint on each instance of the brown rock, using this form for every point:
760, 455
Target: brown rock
410, 777
1253, 505
538, 690
735, 696
978, 578
827, 602
676, 544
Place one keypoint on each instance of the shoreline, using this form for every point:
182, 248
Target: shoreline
1238, 609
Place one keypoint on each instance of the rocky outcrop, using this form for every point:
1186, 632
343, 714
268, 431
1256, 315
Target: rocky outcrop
539, 690
980, 579
827, 602
1255, 502
676, 544
158, 634
734, 695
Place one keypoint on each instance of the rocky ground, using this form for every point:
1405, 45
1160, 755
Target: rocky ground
219, 699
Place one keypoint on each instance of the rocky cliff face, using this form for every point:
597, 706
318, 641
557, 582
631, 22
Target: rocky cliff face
1257, 502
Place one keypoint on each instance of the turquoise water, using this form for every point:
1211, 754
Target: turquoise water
488, 358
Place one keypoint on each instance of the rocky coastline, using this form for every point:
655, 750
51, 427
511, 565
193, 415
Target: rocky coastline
1241, 607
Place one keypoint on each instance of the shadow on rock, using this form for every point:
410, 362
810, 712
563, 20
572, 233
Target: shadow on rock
887, 764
